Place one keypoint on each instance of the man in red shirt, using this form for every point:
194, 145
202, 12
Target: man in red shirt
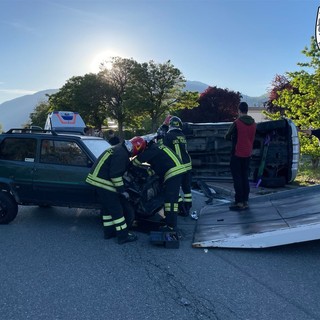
241, 133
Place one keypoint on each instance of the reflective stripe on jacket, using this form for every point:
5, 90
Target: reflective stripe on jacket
162, 160
108, 170
176, 140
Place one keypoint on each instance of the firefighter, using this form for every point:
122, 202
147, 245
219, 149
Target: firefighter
166, 164
107, 176
176, 140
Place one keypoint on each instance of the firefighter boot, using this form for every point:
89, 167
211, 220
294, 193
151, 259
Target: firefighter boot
109, 233
129, 237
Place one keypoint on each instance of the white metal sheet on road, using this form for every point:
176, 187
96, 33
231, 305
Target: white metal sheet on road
278, 219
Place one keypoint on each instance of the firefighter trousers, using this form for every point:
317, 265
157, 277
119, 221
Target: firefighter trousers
185, 199
171, 198
117, 214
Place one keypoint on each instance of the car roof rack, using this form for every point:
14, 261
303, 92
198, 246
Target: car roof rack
40, 130
31, 130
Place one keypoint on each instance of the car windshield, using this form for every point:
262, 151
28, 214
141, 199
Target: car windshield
97, 146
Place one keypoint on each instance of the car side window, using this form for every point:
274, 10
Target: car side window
62, 152
48, 153
22, 149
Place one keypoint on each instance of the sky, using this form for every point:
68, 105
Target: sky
240, 45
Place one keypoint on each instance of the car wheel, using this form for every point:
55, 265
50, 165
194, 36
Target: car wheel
8, 208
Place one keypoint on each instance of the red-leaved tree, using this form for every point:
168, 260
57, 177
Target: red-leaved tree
215, 105
278, 84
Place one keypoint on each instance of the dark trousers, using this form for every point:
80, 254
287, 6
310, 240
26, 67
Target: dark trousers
117, 214
171, 198
240, 175
185, 200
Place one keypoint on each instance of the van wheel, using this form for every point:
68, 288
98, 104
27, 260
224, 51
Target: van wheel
8, 208
273, 182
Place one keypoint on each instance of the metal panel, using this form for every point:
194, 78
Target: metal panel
210, 152
284, 218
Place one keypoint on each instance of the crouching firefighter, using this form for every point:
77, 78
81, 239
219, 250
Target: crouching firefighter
107, 176
166, 164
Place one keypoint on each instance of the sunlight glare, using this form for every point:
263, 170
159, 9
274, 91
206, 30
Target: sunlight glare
105, 57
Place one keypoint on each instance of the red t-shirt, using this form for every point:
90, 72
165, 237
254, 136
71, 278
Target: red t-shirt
245, 138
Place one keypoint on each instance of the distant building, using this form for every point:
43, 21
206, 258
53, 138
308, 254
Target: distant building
256, 114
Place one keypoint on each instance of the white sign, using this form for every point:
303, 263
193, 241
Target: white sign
318, 28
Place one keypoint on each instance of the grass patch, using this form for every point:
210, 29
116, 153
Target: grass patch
307, 175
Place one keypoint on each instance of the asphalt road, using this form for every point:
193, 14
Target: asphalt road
55, 264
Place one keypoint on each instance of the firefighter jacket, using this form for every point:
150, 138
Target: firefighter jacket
161, 132
176, 140
242, 133
163, 161
108, 170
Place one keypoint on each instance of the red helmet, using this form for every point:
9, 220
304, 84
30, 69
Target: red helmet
138, 145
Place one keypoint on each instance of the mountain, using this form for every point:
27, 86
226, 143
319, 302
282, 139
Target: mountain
255, 101
15, 113
196, 86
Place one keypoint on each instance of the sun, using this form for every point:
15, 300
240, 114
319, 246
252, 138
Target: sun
102, 57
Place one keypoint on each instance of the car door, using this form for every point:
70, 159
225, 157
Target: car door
60, 174
17, 162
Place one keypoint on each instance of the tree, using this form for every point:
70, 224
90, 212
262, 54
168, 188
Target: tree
302, 99
120, 77
130, 93
273, 111
159, 91
39, 116
215, 105
89, 95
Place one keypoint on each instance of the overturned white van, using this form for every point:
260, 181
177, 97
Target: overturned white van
274, 160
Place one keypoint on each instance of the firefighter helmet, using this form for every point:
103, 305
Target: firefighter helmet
138, 145
175, 123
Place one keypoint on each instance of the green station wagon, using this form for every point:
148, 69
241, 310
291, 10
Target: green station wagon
46, 169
